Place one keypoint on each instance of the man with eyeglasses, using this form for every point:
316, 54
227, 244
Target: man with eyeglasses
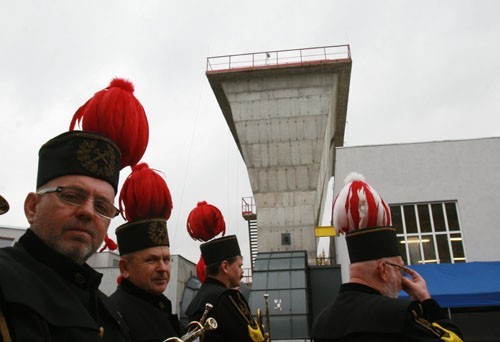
47, 291
367, 307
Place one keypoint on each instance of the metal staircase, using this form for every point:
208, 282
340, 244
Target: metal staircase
249, 213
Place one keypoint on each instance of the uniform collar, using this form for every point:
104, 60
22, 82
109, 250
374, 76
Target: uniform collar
210, 280
82, 276
159, 301
358, 287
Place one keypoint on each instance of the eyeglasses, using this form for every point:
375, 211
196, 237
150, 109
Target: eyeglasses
77, 198
404, 270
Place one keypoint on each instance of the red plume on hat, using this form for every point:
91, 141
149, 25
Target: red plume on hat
115, 113
145, 195
205, 222
200, 269
359, 206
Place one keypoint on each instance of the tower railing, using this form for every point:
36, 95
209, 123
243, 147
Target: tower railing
249, 213
268, 59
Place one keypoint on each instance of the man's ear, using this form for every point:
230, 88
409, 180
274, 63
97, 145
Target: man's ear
123, 266
383, 271
224, 266
30, 204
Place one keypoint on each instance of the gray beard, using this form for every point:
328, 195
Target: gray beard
390, 290
78, 256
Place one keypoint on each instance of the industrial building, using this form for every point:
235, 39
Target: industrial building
444, 205
287, 112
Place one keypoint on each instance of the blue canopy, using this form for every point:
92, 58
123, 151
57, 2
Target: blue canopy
462, 285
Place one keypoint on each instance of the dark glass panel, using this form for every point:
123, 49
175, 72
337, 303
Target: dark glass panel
429, 250
443, 248
452, 216
414, 249
402, 248
410, 219
457, 247
438, 217
397, 221
424, 218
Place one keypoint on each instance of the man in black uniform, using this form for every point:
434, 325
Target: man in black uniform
47, 291
223, 261
145, 273
367, 307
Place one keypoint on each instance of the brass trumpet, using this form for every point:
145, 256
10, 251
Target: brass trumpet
196, 329
267, 335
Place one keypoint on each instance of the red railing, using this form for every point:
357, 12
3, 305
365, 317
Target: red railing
279, 57
248, 207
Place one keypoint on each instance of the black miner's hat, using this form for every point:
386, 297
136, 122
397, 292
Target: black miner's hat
79, 153
137, 235
218, 250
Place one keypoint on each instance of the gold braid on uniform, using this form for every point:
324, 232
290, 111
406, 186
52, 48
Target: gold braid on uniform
254, 331
4, 329
443, 334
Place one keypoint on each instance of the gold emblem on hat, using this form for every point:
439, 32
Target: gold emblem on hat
99, 161
157, 232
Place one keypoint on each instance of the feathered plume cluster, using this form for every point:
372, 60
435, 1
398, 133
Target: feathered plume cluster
200, 270
145, 194
204, 223
115, 113
359, 206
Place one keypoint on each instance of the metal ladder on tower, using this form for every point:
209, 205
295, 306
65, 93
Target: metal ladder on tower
249, 213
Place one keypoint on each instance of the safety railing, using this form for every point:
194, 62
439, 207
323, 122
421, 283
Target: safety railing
280, 57
248, 209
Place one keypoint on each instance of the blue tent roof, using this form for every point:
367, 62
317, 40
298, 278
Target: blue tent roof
462, 285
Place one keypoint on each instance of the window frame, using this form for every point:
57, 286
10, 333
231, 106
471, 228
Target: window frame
403, 235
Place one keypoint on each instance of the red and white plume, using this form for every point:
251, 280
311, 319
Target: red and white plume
205, 222
359, 206
116, 113
145, 195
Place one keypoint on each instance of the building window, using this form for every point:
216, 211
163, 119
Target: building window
429, 232
286, 240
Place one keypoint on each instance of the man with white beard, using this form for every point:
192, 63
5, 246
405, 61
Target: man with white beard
367, 307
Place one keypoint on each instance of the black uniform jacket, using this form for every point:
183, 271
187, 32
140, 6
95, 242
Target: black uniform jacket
148, 316
361, 313
231, 311
45, 296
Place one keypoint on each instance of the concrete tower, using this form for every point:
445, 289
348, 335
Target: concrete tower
286, 110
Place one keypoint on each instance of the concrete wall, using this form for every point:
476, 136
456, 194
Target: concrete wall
462, 170
284, 128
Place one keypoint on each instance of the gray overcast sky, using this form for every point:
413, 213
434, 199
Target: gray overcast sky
422, 71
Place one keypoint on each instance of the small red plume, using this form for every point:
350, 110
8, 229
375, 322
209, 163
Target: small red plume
200, 270
109, 244
205, 222
145, 194
115, 113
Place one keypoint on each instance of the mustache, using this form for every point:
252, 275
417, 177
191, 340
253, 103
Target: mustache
82, 226
161, 275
